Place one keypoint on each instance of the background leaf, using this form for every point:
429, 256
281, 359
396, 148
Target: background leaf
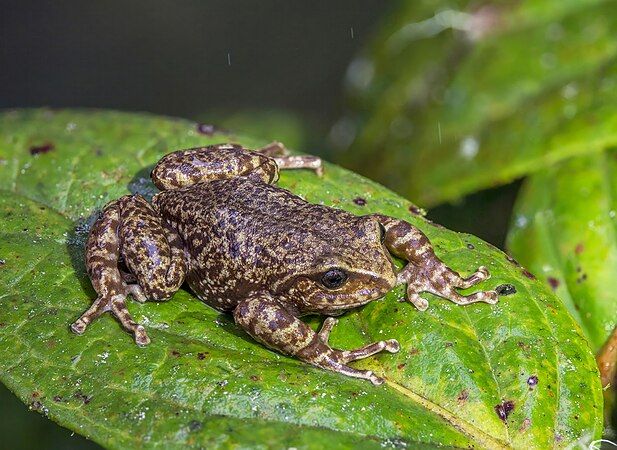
454, 97
565, 230
202, 382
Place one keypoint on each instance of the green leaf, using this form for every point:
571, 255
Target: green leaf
203, 382
565, 230
462, 97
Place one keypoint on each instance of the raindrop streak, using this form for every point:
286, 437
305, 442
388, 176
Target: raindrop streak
351, 31
228, 59
439, 131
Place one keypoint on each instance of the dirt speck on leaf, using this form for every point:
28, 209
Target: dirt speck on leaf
39, 149
463, 396
504, 409
505, 289
553, 282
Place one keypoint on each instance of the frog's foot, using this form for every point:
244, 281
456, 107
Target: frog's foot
443, 282
284, 160
336, 360
116, 305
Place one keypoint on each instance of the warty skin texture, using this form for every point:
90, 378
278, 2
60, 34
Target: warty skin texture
248, 247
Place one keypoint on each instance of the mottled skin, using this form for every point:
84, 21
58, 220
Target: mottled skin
253, 249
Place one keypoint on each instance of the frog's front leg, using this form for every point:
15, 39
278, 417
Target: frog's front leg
130, 230
425, 272
270, 323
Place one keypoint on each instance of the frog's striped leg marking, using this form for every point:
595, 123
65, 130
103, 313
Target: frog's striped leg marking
284, 160
268, 322
425, 272
130, 231
103, 252
184, 168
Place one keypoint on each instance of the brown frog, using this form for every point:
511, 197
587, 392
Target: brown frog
260, 252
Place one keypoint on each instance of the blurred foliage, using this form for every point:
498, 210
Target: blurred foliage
296, 132
564, 229
517, 374
456, 96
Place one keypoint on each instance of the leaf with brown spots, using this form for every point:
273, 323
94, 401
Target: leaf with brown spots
564, 228
203, 383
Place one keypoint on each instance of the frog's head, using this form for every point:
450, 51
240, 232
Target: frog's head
342, 268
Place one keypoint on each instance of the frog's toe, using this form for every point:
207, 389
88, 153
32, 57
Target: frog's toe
79, 326
136, 292
377, 381
392, 346
141, 337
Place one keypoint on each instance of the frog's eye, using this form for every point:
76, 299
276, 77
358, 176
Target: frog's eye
382, 235
334, 278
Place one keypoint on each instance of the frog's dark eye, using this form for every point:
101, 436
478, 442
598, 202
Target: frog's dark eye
334, 278
382, 235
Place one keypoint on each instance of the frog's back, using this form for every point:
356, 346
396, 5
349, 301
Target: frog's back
240, 233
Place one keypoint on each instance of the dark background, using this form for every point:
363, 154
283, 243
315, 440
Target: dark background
193, 59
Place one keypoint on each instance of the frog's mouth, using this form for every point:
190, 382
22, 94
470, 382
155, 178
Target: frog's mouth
361, 288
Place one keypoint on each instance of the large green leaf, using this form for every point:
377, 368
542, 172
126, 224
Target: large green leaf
203, 382
565, 230
454, 97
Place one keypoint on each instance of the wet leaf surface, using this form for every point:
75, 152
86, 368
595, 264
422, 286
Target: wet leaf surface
518, 374
565, 230
453, 97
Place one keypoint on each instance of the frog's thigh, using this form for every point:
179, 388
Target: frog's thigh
152, 251
215, 162
268, 322
102, 254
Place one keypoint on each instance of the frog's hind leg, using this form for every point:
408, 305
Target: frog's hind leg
102, 263
131, 252
284, 160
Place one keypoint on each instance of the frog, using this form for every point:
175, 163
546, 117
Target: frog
250, 248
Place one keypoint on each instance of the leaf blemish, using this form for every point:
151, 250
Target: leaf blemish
505, 289
195, 425
463, 396
83, 397
579, 248
554, 283
504, 409
41, 149
532, 381
202, 355
207, 129
175, 353
359, 201
470, 246
528, 274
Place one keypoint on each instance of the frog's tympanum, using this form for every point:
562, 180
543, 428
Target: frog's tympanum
248, 247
